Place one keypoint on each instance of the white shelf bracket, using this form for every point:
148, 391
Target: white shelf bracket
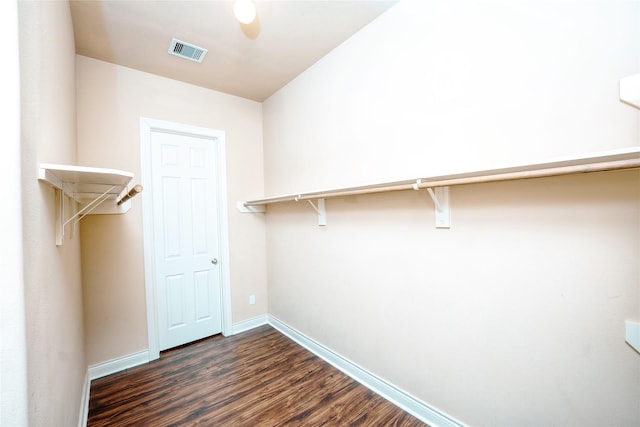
434, 198
59, 217
320, 210
89, 207
250, 209
322, 213
440, 197
76, 217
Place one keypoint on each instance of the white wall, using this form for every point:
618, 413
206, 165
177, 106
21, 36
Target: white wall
515, 316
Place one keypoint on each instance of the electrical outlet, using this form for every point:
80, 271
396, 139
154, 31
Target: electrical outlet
252, 299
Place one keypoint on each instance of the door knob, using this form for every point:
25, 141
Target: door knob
214, 261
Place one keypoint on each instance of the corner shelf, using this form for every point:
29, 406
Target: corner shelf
437, 185
90, 188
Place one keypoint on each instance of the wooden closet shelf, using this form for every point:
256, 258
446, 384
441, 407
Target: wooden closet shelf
628, 158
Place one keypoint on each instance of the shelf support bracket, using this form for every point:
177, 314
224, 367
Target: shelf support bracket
440, 197
435, 198
60, 211
322, 213
250, 209
59, 217
90, 206
320, 210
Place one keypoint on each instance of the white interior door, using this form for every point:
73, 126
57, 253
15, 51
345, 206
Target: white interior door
186, 238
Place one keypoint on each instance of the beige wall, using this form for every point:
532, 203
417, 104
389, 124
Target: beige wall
442, 86
111, 99
53, 295
514, 316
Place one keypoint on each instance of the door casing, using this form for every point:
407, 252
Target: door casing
217, 138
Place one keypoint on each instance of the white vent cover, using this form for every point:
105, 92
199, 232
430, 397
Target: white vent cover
187, 51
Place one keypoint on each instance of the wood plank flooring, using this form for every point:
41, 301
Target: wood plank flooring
257, 378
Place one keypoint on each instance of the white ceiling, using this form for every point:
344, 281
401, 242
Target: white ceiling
251, 61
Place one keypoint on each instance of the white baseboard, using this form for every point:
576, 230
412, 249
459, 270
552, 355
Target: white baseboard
246, 325
415, 407
84, 401
120, 364
135, 359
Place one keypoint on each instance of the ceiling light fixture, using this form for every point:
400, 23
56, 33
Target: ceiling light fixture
245, 11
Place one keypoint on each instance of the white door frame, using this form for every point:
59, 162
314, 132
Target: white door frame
217, 138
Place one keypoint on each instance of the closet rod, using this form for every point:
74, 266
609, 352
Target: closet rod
478, 179
539, 173
132, 193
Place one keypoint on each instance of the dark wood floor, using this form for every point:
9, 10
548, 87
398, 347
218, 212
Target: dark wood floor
257, 378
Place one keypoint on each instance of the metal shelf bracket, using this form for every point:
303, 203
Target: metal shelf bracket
440, 197
250, 208
320, 210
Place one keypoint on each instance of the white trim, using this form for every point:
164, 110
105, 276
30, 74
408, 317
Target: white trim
146, 126
147, 234
135, 359
84, 401
223, 218
120, 364
249, 324
412, 405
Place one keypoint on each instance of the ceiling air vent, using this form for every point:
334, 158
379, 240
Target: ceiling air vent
187, 51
